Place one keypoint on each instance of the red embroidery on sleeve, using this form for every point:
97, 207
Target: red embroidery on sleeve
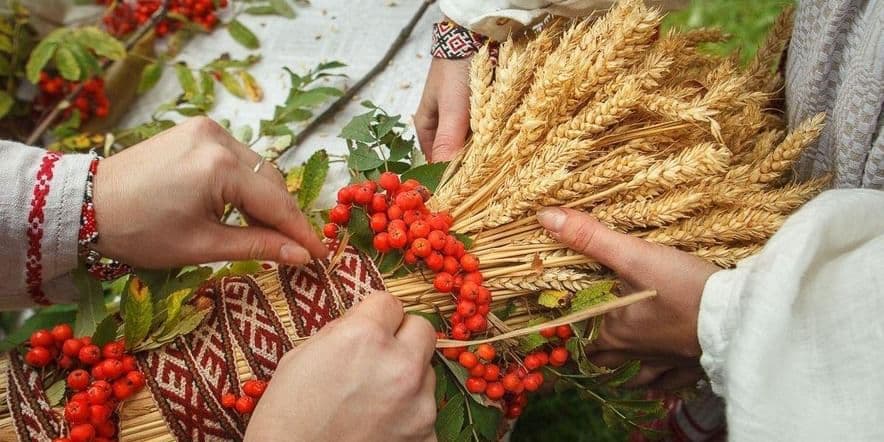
36, 220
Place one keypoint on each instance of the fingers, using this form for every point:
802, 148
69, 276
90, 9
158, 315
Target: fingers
454, 123
381, 307
272, 206
425, 122
678, 378
231, 243
418, 335
647, 374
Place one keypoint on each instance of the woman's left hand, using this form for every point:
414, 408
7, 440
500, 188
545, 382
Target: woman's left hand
660, 332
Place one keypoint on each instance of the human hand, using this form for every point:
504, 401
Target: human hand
660, 332
443, 116
364, 377
158, 203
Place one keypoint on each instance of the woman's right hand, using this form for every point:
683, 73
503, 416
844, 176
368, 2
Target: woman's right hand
366, 376
442, 120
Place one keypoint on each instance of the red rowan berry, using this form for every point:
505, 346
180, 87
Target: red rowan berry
469, 291
76, 412
330, 230
492, 372
476, 323
424, 193
494, 390
113, 350
460, 332
123, 389
468, 359
542, 357
486, 352
228, 400
449, 264
89, 354
398, 238
483, 297
409, 184
370, 185
378, 222
106, 429
381, 242
339, 214
533, 381
99, 414
419, 229
389, 181
82, 433
65, 362
438, 222
483, 309
80, 396
61, 439
456, 318
394, 212
345, 195
397, 224
548, 332
473, 276
564, 332
136, 378
434, 261
86, 340
245, 404
254, 388
378, 203
42, 338
421, 248
71, 347
443, 282
469, 263
452, 353
78, 380
531, 362
38, 357
411, 216
511, 382
410, 258
437, 239
61, 333
476, 385
466, 308
559, 356
98, 373
478, 371
129, 363
99, 392
513, 411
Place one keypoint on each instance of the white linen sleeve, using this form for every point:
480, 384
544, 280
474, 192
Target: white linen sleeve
793, 339
497, 19
39, 222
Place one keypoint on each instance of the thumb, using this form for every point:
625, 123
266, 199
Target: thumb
231, 243
451, 133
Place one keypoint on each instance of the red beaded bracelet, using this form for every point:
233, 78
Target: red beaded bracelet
105, 270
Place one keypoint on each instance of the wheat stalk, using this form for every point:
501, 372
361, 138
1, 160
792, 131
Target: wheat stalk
666, 209
719, 226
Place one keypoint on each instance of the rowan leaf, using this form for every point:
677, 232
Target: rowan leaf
554, 299
90, 307
6, 103
430, 175
359, 128
364, 158
243, 35
187, 81
100, 42
595, 294
38, 59
106, 331
232, 84
150, 76
282, 8
190, 319
55, 392
486, 419
315, 172
361, 235
260, 10
67, 64
251, 87
294, 179
136, 307
450, 419
44, 318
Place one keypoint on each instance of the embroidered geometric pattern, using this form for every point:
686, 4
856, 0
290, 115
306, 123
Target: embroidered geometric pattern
452, 41
36, 221
28, 406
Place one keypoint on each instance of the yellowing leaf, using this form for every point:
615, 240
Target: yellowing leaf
100, 42
250, 85
597, 293
231, 84
294, 179
315, 171
136, 307
554, 299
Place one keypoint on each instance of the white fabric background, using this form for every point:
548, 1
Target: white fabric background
354, 32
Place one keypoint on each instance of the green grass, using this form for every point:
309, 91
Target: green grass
564, 416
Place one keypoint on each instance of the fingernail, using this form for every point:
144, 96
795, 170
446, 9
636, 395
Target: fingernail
293, 254
552, 218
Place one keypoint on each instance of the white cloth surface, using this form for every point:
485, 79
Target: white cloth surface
793, 337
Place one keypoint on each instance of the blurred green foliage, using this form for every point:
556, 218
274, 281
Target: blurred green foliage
564, 416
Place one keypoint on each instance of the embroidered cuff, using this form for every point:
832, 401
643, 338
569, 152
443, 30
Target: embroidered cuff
452, 41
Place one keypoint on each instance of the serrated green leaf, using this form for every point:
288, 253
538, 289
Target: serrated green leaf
294, 179
315, 172
190, 319
429, 174
623, 374
385, 125
6, 103
90, 306
100, 42
55, 393
595, 294
531, 341
388, 262
486, 420
312, 97
232, 84
450, 419
150, 75
460, 375
397, 167
400, 149
364, 158
173, 304
503, 313
441, 382
554, 298
466, 240
359, 128
67, 64
238, 268
361, 235
243, 35
136, 307
282, 8
106, 331
44, 318
187, 81
87, 61
38, 59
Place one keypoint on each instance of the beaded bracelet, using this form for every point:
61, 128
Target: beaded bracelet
452, 41
99, 268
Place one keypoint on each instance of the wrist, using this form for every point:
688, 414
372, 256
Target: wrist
88, 234
452, 41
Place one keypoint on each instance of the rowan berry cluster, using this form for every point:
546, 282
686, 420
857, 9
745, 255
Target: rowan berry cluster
401, 221
126, 16
91, 101
98, 380
252, 390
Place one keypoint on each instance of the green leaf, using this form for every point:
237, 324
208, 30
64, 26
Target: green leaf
400, 149
260, 10
106, 331
623, 373
466, 240
359, 128
39, 57
243, 35
595, 294
90, 307
385, 125
364, 158
232, 84
485, 419
361, 235
190, 320
6, 103
136, 307
433, 318
429, 175
100, 42
554, 299
42, 319
389, 261
149, 77
238, 268
243, 134
441, 382
531, 341
450, 419
503, 313
55, 392
282, 8
315, 172
67, 64
173, 304
187, 81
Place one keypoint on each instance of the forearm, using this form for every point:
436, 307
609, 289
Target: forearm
791, 338
39, 223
